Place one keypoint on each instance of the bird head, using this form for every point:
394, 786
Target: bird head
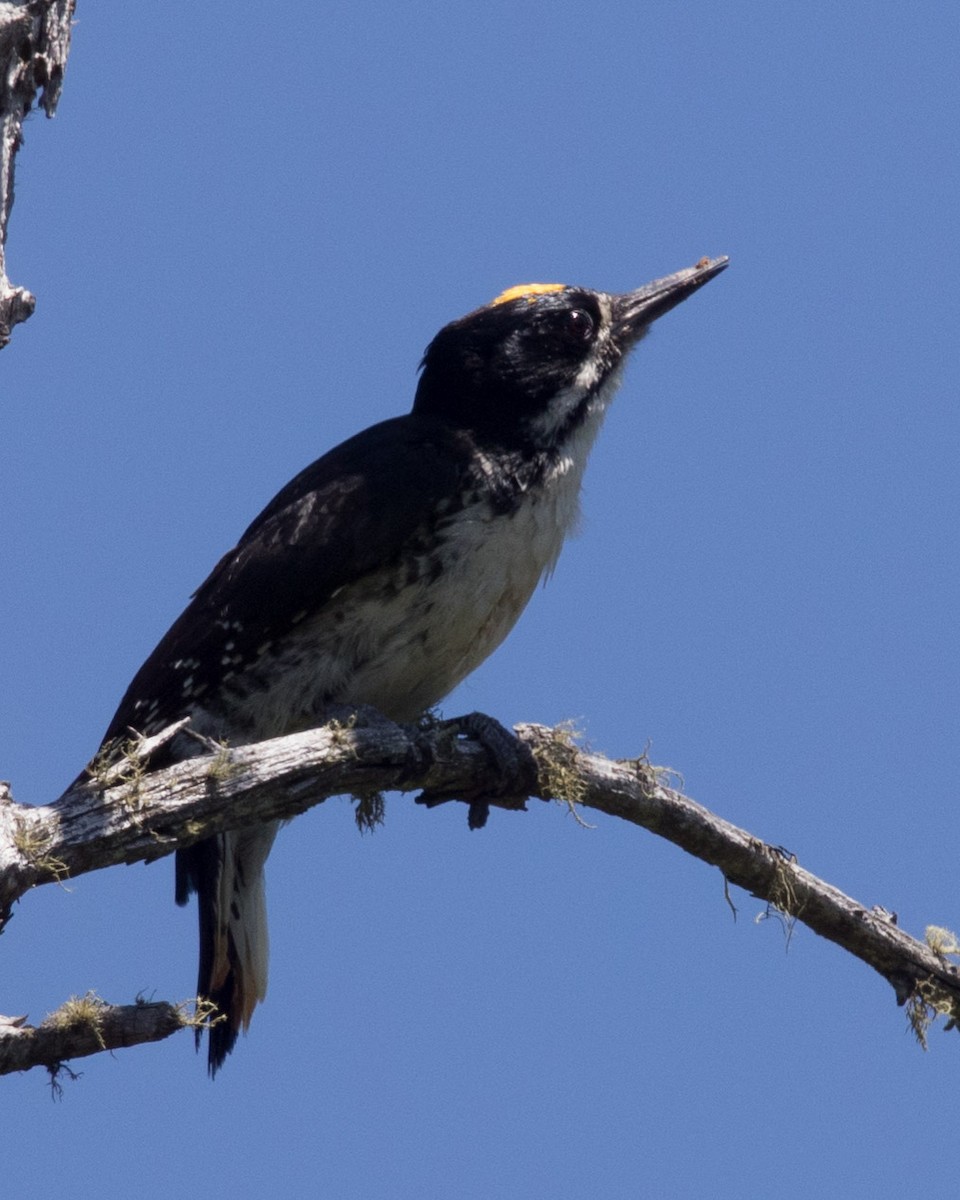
528, 368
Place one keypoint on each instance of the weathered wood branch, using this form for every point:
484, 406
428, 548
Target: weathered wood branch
135, 814
83, 1026
34, 44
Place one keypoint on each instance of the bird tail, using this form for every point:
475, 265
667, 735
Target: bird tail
226, 872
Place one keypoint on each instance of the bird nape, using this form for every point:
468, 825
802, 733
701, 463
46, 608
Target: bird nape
386, 571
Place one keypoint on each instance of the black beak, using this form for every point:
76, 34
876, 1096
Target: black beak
634, 311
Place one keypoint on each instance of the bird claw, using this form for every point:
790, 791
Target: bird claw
506, 752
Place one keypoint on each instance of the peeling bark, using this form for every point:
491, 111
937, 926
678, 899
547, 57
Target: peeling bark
34, 44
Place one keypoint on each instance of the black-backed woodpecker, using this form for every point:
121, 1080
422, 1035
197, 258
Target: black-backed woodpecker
388, 570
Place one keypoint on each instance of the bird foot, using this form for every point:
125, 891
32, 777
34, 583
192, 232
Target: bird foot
509, 757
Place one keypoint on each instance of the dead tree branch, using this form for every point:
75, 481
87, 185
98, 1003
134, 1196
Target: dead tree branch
131, 813
34, 44
82, 1026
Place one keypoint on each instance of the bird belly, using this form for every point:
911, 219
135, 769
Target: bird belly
400, 639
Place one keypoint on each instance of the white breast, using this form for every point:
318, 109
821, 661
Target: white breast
402, 645
406, 653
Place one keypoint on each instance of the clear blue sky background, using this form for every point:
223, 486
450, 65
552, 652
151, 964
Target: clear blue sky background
243, 227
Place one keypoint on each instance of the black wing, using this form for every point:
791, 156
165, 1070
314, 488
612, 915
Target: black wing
348, 513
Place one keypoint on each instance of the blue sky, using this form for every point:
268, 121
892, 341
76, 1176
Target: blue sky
243, 227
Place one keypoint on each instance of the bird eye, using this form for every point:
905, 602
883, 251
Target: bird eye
579, 325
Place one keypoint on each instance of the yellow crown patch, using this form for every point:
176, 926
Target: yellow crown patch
527, 290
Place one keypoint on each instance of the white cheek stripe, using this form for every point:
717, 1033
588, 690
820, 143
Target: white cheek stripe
546, 425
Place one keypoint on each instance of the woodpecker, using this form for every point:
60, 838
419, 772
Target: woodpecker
386, 571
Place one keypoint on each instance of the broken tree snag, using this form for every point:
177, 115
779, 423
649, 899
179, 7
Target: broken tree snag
34, 44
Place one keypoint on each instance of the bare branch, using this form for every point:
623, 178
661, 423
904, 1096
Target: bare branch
135, 814
140, 814
34, 44
82, 1026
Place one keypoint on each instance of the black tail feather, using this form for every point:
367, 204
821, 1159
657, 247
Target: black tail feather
198, 870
